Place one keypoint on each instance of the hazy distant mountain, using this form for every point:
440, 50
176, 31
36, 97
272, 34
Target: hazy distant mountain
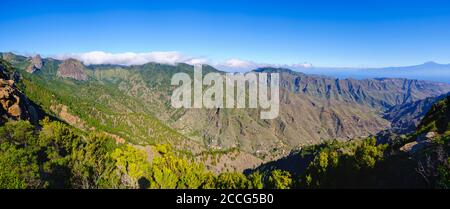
425, 66
427, 71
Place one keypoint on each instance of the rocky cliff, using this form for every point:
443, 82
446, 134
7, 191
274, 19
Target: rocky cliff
36, 64
72, 68
13, 104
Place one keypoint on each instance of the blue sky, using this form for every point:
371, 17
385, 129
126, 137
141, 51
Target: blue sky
324, 33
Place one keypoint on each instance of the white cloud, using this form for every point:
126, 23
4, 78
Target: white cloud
302, 65
237, 63
243, 65
131, 58
196, 61
169, 57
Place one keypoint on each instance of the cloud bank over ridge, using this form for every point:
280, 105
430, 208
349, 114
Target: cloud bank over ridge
131, 58
428, 71
168, 57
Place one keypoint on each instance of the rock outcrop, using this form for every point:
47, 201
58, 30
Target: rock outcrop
10, 99
422, 141
13, 104
36, 64
72, 68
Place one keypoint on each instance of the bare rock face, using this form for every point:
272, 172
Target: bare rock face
9, 99
422, 141
72, 68
36, 64
13, 104
8, 56
426, 136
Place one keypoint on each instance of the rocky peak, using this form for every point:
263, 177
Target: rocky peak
72, 68
36, 64
430, 63
7, 56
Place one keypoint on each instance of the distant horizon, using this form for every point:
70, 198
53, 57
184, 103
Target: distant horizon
437, 72
261, 65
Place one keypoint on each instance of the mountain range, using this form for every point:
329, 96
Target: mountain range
431, 71
132, 104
